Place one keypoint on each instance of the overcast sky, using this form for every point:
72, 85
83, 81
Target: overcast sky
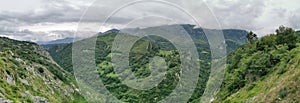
45, 20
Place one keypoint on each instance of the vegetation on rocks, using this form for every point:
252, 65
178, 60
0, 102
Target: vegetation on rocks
28, 74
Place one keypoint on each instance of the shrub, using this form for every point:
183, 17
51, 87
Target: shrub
283, 93
41, 70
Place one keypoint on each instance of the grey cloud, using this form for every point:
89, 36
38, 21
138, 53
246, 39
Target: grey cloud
53, 11
28, 35
63, 34
23, 35
230, 14
61, 12
237, 14
294, 19
130, 13
56, 16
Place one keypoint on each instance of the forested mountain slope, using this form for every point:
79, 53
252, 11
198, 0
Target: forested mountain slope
266, 70
61, 53
28, 74
144, 49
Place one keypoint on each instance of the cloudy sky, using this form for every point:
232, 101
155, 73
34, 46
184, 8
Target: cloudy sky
45, 20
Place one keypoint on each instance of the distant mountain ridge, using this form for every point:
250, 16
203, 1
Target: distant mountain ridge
58, 41
111, 31
236, 34
71, 39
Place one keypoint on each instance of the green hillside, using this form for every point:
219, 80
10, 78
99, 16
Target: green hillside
61, 53
28, 74
139, 59
266, 70
144, 49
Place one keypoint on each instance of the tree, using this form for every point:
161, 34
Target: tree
284, 30
266, 43
251, 37
286, 36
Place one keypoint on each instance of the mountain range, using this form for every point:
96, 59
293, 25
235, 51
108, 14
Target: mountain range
266, 70
61, 53
58, 41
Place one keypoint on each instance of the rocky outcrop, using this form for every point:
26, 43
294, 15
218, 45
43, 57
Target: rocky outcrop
28, 74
